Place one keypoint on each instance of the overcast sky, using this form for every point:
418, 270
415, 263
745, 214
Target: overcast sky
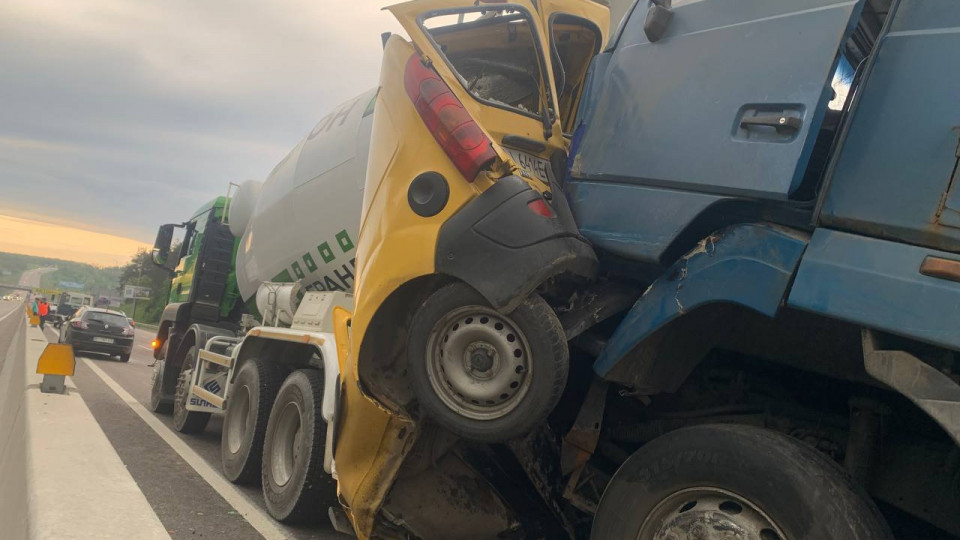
119, 115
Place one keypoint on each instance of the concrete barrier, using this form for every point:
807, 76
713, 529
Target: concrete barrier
59, 475
14, 510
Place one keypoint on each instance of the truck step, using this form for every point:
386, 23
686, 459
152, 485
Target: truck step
215, 358
208, 396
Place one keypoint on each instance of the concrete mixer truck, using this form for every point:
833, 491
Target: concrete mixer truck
257, 254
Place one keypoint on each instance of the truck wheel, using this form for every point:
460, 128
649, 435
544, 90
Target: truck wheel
693, 482
186, 421
248, 409
295, 486
483, 375
158, 402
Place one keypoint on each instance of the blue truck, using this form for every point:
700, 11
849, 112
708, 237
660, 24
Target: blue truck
769, 350
782, 179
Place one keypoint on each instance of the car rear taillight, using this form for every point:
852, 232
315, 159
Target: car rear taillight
447, 120
128, 331
540, 207
80, 324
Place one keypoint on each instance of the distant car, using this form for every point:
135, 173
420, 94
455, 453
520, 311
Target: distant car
99, 330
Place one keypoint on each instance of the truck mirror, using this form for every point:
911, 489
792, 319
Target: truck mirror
161, 246
658, 19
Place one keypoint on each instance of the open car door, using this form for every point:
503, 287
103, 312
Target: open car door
729, 99
501, 62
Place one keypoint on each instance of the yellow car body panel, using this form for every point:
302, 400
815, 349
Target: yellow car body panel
400, 245
396, 246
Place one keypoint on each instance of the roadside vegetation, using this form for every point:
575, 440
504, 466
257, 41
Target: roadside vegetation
95, 280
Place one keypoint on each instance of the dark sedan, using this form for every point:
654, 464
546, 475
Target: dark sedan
99, 330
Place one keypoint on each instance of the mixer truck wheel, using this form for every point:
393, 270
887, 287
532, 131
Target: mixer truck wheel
186, 421
295, 486
158, 403
483, 375
248, 409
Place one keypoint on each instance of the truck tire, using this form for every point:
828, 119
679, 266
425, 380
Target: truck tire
248, 409
185, 421
483, 375
295, 486
159, 403
728, 477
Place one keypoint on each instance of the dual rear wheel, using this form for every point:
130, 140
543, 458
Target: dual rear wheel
274, 432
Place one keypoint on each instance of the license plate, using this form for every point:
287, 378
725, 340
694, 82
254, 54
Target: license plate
532, 165
103, 340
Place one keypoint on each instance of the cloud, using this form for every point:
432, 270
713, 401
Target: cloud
123, 115
31, 237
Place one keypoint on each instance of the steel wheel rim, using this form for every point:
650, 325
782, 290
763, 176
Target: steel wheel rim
285, 450
478, 362
708, 513
239, 417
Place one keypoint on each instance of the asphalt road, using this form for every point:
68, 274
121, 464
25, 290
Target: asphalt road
31, 278
7, 326
186, 503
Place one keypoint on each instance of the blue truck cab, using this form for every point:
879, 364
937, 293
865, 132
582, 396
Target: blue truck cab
780, 178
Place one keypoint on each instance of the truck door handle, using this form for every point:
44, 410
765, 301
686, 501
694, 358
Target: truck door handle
782, 123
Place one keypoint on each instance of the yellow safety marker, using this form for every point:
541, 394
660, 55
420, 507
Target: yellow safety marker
34, 320
56, 362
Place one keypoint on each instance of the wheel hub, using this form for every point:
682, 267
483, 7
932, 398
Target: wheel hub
238, 418
708, 514
285, 452
478, 362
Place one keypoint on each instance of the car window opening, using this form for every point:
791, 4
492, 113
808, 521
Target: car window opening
495, 55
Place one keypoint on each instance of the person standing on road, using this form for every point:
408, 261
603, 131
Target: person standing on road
43, 308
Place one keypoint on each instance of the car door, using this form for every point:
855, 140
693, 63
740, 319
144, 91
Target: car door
576, 31
496, 58
728, 100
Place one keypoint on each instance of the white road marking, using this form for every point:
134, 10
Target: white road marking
145, 347
259, 519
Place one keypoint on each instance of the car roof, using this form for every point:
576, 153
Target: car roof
102, 310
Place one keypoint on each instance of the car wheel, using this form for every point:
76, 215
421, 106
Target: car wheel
245, 424
186, 421
295, 486
158, 402
693, 481
483, 375
125, 357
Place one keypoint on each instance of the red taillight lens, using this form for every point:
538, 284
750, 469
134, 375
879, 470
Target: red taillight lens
80, 324
447, 120
128, 331
540, 207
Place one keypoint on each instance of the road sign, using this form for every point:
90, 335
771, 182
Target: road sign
135, 292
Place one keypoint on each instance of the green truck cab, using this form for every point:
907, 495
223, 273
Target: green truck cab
204, 297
